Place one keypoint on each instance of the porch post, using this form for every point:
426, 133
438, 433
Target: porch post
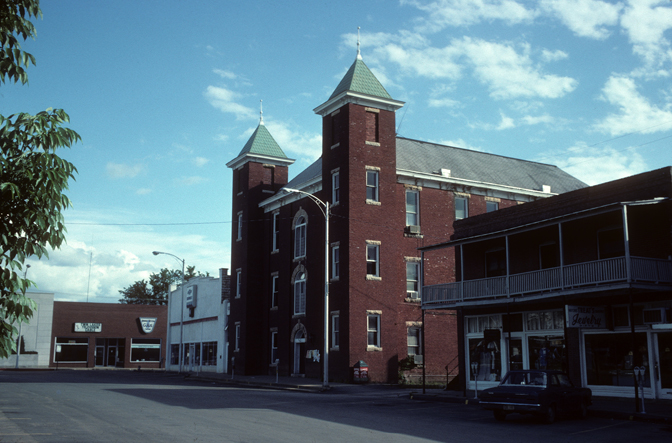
626, 244
562, 256
508, 290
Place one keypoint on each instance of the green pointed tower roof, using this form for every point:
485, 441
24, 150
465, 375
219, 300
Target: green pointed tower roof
359, 86
261, 147
359, 78
262, 143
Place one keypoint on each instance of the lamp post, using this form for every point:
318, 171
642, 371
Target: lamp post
181, 311
324, 207
18, 340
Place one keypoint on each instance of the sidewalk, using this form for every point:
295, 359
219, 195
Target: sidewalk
657, 411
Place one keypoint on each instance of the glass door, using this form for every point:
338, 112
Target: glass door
663, 365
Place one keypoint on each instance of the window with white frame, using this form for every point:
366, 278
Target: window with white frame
335, 262
71, 350
372, 192
412, 280
300, 237
300, 293
412, 208
373, 260
239, 274
145, 349
373, 330
335, 188
491, 206
274, 347
237, 348
276, 230
461, 207
414, 340
274, 291
335, 331
240, 226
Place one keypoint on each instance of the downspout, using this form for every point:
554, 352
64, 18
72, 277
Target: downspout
422, 309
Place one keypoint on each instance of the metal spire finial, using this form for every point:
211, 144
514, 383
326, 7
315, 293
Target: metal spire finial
359, 54
261, 112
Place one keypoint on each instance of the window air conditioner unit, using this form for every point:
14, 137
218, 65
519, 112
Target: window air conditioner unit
413, 295
654, 316
413, 229
417, 359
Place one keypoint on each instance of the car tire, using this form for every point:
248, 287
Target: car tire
549, 415
499, 415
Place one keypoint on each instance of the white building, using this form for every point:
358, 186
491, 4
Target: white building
198, 325
36, 335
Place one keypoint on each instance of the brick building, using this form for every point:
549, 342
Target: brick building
387, 196
580, 281
87, 335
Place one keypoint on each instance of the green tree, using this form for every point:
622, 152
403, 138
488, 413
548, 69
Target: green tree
32, 176
155, 291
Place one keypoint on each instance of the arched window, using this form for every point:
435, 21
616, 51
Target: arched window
300, 293
300, 237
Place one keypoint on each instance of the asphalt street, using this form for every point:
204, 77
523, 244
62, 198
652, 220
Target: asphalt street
125, 406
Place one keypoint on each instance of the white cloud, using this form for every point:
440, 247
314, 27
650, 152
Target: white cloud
302, 146
594, 165
510, 74
645, 22
636, 113
443, 103
460, 143
553, 56
586, 18
538, 119
505, 123
190, 181
122, 170
224, 74
444, 13
200, 161
227, 101
143, 191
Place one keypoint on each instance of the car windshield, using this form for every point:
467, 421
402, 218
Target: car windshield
525, 379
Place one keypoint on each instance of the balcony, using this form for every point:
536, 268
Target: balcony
550, 281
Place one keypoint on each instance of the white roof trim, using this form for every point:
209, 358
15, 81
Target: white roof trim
358, 98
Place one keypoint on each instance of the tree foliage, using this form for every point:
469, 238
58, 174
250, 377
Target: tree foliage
155, 291
32, 176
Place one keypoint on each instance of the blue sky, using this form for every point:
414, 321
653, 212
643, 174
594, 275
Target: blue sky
164, 93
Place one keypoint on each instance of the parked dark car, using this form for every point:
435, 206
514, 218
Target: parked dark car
540, 392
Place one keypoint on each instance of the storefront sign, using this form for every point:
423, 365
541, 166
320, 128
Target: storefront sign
147, 324
586, 317
88, 327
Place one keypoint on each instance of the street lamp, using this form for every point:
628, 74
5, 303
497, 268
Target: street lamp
169, 344
18, 340
324, 207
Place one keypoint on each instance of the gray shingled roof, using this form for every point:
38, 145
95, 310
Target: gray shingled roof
414, 155
430, 158
262, 143
360, 79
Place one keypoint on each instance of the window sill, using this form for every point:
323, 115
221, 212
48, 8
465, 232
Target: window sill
370, 348
412, 300
239, 239
373, 278
336, 145
335, 348
372, 202
333, 280
407, 235
371, 143
334, 204
274, 308
299, 315
275, 251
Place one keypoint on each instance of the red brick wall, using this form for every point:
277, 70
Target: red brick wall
118, 321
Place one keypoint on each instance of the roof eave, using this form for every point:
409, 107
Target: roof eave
281, 198
358, 98
266, 159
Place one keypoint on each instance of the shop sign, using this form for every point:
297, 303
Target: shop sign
147, 324
587, 317
88, 327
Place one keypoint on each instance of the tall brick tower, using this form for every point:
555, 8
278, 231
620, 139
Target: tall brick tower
260, 170
359, 178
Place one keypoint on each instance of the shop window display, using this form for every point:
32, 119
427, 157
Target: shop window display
488, 356
547, 352
610, 360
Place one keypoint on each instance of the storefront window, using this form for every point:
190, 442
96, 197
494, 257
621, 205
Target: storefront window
610, 360
546, 352
488, 359
174, 354
71, 350
146, 350
210, 353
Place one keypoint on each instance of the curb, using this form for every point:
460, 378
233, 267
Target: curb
614, 415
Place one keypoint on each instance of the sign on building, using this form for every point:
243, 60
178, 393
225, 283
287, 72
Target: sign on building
88, 327
587, 317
